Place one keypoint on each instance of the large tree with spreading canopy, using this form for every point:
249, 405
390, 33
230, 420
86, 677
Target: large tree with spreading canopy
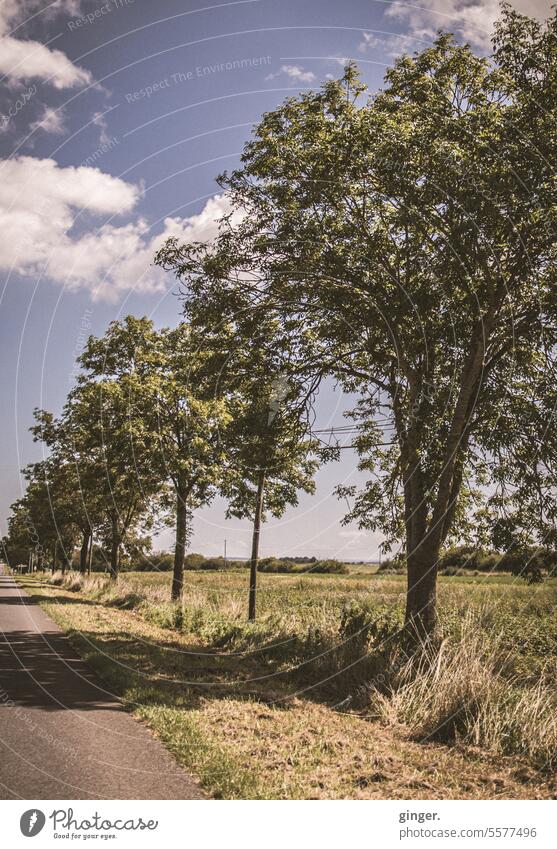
411, 235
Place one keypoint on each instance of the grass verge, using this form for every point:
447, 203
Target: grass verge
225, 697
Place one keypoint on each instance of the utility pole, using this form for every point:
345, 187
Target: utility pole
225, 553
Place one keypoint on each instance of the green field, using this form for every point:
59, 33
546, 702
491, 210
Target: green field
317, 698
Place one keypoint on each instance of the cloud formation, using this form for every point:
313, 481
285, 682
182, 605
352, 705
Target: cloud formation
52, 223
295, 72
390, 45
471, 19
50, 121
22, 60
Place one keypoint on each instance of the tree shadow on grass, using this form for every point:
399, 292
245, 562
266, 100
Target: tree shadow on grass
176, 673
179, 671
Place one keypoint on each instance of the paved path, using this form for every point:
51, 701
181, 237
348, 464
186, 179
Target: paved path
62, 735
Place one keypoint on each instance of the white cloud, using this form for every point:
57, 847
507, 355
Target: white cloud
49, 219
22, 60
370, 41
51, 121
295, 73
298, 74
126, 253
19, 11
100, 121
471, 19
391, 45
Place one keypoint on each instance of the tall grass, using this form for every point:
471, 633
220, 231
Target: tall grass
465, 690
488, 681
327, 646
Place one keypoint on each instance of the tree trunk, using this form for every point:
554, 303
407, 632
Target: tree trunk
83, 551
422, 550
421, 611
180, 545
90, 554
115, 549
255, 545
54, 555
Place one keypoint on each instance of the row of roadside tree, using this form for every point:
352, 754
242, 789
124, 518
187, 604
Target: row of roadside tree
158, 423
402, 244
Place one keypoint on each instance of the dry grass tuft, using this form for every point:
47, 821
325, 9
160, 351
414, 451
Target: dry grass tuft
461, 691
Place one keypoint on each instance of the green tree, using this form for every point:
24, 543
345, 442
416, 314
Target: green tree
72, 485
192, 414
113, 445
22, 541
262, 372
42, 522
171, 379
269, 451
412, 235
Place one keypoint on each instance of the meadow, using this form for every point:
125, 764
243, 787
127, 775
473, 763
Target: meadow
319, 698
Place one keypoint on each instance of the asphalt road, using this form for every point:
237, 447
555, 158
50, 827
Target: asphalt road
62, 735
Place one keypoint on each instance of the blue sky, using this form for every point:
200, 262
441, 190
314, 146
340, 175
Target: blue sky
115, 118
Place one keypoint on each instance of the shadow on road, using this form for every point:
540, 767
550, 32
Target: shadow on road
38, 666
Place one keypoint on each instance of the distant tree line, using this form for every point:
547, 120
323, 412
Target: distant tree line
163, 562
529, 562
